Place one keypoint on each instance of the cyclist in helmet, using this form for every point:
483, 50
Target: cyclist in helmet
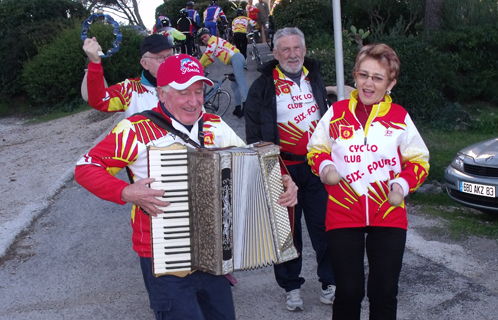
164, 27
193, 14
212, 14
188, 27
229, 55
239, 28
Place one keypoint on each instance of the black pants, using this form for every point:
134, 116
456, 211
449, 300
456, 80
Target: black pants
188, 44
240, 41
385, 248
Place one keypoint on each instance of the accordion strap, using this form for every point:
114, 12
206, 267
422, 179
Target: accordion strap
163, 123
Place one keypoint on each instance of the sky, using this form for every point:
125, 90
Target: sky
147, 9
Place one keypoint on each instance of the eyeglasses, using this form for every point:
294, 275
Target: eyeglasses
363, 76
159, 59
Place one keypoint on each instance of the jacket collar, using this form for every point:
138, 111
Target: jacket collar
379, 109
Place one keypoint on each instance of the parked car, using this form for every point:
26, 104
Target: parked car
472, 177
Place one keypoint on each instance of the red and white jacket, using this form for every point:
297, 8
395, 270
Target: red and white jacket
126, 145
388, 150
130, 96
240, 24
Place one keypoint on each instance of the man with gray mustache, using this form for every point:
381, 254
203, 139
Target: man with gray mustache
283, 106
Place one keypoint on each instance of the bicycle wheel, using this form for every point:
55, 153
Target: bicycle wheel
218, 103
257, 57
197, 52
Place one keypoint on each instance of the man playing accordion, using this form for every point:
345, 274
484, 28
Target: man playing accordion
180, 81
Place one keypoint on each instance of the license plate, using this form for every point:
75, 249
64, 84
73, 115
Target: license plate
478, 189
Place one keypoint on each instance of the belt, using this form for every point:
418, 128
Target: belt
292, 157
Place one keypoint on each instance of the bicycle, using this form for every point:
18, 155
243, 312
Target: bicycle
178, 46
216, 100
255, 53
223, 30
196, 50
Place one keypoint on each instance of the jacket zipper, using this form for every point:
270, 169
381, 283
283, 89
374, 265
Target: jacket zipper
366, 197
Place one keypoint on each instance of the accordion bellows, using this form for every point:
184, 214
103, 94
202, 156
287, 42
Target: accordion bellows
234, 222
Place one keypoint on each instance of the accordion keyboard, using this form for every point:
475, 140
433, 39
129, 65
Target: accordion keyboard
171, 229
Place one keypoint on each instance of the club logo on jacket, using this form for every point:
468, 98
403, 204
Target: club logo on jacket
208, 138
346, 132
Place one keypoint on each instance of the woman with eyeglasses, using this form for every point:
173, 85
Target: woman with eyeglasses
370, 155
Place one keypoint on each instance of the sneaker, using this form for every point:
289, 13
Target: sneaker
294, 301
328, 295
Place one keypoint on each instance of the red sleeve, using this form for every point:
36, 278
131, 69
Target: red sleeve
109, 99
316, 158
95, 171
99, 182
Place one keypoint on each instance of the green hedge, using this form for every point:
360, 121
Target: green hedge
53, 77
26, 24
472, 71
312, 17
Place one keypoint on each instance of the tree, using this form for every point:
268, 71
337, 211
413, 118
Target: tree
122, 9
433, 14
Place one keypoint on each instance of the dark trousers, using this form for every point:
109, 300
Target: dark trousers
188, 44
312, 201
199, 295
240, 41
384, 248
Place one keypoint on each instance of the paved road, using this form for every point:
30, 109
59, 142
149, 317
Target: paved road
76, 262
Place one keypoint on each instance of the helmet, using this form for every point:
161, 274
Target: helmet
183, 13
203, 31
190, 4
164, 22
239, 11
213, 2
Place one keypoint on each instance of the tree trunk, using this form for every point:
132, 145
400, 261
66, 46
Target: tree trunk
137, 14
433, 14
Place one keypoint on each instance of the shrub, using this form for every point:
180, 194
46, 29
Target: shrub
26, 24
312, 17
53, 78
458, 13
322, 49
472, 69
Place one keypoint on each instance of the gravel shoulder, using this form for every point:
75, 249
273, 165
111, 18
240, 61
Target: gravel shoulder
37, 159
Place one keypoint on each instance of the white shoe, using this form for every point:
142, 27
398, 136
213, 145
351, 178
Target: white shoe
328, 295
294, 301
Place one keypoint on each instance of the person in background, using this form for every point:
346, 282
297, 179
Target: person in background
212, 14
283, 106
164, 28
187, 294
263, 14
189, 28
132, 95
229, 55
193, 14
252, 11
239, 28
372, 145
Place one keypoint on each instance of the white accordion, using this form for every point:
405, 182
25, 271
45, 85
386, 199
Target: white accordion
223, 214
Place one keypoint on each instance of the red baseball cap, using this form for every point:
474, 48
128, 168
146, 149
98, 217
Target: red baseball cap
180, 71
